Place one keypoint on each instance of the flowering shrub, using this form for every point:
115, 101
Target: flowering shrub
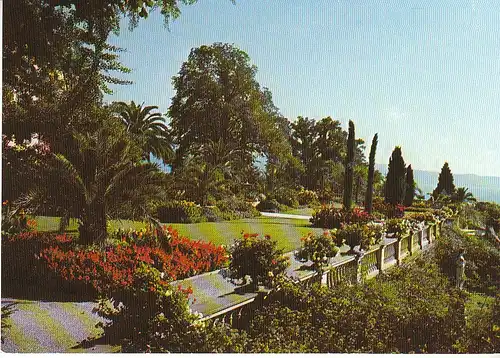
307, 197
425, 216
333, 218
317, 248
388, 210
363, 235
257, 257
14, 222
399, 227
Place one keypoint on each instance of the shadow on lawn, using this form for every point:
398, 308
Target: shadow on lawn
52, 290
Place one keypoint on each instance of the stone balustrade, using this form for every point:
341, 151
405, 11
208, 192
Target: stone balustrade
217, 297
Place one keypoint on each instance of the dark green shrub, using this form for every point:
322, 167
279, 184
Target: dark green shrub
24, 274
269, 205
412, 309
235, 208
285, 196
482, 334
213, 214
180, 212
482, 268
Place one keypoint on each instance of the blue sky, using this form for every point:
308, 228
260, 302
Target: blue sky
425, 75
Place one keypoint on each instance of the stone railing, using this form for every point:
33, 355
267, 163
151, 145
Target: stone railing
220, 299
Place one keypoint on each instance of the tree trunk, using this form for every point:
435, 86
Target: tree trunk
93, 228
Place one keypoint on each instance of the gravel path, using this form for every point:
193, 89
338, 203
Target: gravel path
50, 327
285, 216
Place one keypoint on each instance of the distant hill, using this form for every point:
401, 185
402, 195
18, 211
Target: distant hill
484, 188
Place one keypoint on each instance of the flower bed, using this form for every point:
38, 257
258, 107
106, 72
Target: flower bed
333, 218
173, 257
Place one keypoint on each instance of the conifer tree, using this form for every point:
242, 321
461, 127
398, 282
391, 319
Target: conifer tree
371, 174
445, 182
349, 168
410, 187
395, 184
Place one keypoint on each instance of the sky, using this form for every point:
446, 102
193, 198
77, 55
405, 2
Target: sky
424, 75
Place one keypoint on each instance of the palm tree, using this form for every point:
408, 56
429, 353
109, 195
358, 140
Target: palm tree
213, 167
102, 178
463, 195
148, 128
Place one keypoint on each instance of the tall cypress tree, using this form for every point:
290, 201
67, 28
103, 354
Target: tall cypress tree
395, 183
349, 168
371, 174
410, 187
445, 182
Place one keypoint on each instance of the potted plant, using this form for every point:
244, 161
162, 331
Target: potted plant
318, 249
257, 257
362, 235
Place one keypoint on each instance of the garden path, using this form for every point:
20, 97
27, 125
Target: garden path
285, 216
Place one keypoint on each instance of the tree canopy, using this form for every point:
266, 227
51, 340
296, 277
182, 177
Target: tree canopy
218, 100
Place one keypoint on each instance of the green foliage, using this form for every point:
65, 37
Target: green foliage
217, 82
445, 182
395, 184
320, 147
235, 208
482, 334
101, 177
318, 249
349, 168
388, 210
410, 187
371, 174
269, 205
417, 217
284, 196
176, 211
307, 197
398, 227
258, 258
148, 129
462, 195
410, 310
482, 259
492, 214
363, 235
333, 218
150, 315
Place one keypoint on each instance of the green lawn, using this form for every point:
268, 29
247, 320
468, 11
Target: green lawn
300, 211
50, 223
286, 231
